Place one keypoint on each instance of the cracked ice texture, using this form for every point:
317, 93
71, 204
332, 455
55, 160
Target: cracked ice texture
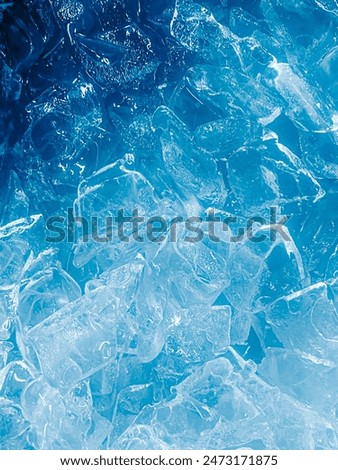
173, 108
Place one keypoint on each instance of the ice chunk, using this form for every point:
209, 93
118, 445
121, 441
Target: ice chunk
44, 293
309, 382
199, 334
133, 398
328, 5
108, 191
139, 437
195, 27
224, 136
320, 153
99, 431
201, 269
60, 118
13, 256
13, 425
103, 387
194, 171
76, 421
77, 340
13, 380
16, 201
110, 318
6, 317
5, 348
222, 88
269, 175
142, 316
263, 271
315, 234
118, 56
190, 109
68, 11
327, 64
303, 100
297, 26
222, 405
63, 422
44, 408
307, 322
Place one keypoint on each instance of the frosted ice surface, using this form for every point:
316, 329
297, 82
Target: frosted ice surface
211, 321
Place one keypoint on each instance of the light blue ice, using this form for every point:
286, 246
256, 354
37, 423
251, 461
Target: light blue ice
211, 323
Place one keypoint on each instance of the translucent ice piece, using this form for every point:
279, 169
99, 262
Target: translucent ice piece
44, 293
224, 136
269, 175
199, 334
45, 409
226, 405
221, 87
195, 172
19, 226
190, 109
297, 26
262, 272
195, 273
307, 322
16, 201
103, 385
98, 432
6, 317
133, 398
68, 11
76, 422
315, 234
327, 64
5, 348
139, 437
113, 188
63, 422
13, 379
77, 340
142, 315
320, 153
59, 119
14, 253
304, 105
307, 381
13, 426
328, 5
195, 27
118, 56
